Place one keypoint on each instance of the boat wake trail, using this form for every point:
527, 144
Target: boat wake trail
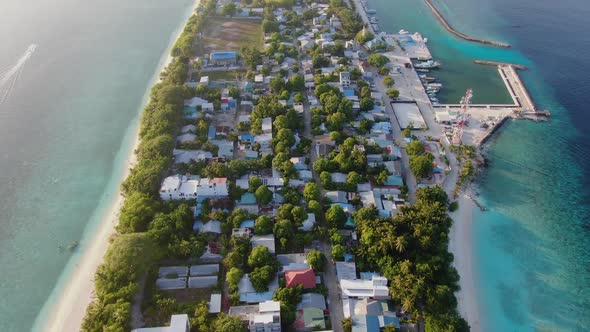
9, 77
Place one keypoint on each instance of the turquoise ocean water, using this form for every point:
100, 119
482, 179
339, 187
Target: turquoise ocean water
66, 129
532, 264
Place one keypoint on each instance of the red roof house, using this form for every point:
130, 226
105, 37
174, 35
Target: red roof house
304, 277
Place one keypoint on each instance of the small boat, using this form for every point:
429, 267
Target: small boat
423, 58
430, 64
371, 11
403, 32
373, 20
72, 246
435, 85
422, 76
422, 70
433, 99
429, 79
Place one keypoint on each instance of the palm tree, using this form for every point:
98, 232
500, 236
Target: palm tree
401, 243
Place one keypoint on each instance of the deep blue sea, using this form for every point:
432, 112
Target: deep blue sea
531, 249
66, 128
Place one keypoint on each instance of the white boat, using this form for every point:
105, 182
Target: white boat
403, 32
435, 85
422, 70
430, 64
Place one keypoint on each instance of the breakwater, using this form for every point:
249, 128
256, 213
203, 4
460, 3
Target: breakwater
497, 63
449, 28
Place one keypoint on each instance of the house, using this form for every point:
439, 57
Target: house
191, 128
226, 148
187, 137
309, 319
337, 196
187, 156
202, 281
300, 277
338, 177
178, 323
305, 175
308, 223
212, 226
204, 270
267, 125
290, 262
249, 295
345, 270
264, 240
345, 79
376, 288
299, 163
223, 58
369, 315
215, 304
312, 300
263, 317
212, 188
179, 187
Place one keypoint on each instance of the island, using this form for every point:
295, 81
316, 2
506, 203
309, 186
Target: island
295, 172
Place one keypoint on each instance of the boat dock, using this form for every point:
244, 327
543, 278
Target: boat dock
449, 28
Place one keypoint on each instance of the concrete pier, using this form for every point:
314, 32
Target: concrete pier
449, 28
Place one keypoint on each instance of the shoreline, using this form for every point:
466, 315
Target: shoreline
461, 246
65, 308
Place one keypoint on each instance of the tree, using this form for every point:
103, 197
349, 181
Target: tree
432, 194
347, 324
353, 178
326, 179
415, 148
277, 84
137, 211
263, 195
200, 321
378, 60
299, 97
381, 178
261, 276
311, 192
259, 257
233, 276
283, 229
335, 216
226, 322
319, 61
388, 81
364, 36
234, 91
421, 166
254, 183
263, 225
393, 93
316, 260
297, 83
299, 215
337, 252
366, 104
314, 207
228, 9
337, 137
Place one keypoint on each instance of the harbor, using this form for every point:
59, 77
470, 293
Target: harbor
414, 72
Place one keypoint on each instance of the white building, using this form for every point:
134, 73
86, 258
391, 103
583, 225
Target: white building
264, 317
186, 156
178, 187
267, 125
212, 188
178, 323
376, 288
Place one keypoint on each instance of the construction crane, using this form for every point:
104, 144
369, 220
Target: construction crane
462, 117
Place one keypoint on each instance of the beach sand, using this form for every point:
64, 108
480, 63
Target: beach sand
67, 313
461, 245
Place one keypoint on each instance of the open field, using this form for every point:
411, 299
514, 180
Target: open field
230, 34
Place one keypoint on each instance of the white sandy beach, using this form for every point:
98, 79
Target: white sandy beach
67, 313
461, 245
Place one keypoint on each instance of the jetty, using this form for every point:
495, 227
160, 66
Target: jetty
461, 35
497, 63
